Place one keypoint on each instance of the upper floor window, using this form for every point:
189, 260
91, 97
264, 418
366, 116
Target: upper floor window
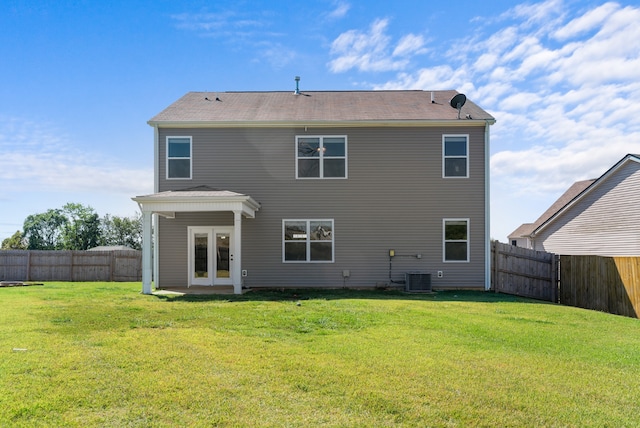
456, 240
455, 150
307, 240
179, 157
321, 157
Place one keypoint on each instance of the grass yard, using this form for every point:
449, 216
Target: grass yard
102, 354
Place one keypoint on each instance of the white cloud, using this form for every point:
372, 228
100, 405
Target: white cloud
586, 22
40, 157
409, 45
219, 24
276, 54
340, 11
538, 16
373, 50
573, 105
564, 86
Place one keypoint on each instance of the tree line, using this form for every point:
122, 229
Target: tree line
75, 227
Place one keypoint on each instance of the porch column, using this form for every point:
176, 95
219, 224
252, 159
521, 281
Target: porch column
147, 240
236, 273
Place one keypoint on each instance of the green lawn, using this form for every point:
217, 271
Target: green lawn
102, 354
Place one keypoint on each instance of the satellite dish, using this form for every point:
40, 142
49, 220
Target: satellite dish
457, 102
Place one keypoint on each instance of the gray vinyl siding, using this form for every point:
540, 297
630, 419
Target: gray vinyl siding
604, 222
394, 198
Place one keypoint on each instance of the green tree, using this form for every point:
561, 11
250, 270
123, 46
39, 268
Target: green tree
44, 231
15, 242
122, 231
82, 230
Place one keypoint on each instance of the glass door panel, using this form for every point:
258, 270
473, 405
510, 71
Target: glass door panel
200, 265
223, 255
210, 255
201, 255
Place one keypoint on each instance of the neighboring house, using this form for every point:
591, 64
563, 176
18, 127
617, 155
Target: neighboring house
112, 248
318, 189
522, 236
594, 217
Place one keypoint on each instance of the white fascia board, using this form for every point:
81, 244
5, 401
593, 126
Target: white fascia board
321, 124
170, 205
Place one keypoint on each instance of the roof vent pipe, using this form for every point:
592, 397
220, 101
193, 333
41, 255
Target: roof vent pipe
433, 98
297, 92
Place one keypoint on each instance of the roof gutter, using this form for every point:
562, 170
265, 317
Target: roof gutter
321, 123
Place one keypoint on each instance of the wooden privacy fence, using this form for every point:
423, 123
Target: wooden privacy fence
609, 284
524, 272
36, 265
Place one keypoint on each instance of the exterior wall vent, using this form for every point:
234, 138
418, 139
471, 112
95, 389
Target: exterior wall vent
417, 281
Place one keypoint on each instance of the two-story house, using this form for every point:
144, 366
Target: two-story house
318, 189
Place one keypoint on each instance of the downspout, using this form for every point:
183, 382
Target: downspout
487, 208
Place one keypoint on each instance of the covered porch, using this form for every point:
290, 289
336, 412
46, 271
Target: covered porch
193, 200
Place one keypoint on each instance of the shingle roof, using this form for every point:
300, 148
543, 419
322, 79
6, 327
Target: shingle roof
589, 188
576, 188
317, 106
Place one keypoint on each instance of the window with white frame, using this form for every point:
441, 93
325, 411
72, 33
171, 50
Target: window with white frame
307, 241
321, 157
455, 159
456, 239
179, 157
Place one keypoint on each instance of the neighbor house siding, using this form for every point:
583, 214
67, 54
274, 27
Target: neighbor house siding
604, 222
394, 198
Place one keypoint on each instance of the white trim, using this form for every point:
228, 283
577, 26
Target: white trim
320, 123
146, 252
487, 209
308, 240
321, 157
444, 157
444, 241
156, 157
166, 172
168, 203
211, 232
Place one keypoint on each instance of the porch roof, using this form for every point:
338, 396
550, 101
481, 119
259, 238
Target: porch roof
197, 199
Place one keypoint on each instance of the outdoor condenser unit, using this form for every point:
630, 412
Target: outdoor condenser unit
417, 281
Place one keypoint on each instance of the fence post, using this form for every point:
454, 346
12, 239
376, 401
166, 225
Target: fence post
112, 257
28, 274
71, 263
494, 279
555, 278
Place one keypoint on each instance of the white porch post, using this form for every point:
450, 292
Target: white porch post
147, 266
236, 274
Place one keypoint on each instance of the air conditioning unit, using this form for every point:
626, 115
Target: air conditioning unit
417, 281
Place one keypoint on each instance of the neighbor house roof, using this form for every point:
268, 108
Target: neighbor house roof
112, 248
594, 184
568, 198
527, 229
311, 107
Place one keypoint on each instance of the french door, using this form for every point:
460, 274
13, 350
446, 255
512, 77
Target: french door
210, 255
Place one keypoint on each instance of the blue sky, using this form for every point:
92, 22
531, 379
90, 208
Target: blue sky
80, 79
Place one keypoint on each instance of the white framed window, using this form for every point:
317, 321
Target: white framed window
307, 241
179, 158
321, 156
455, 239
455, 156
